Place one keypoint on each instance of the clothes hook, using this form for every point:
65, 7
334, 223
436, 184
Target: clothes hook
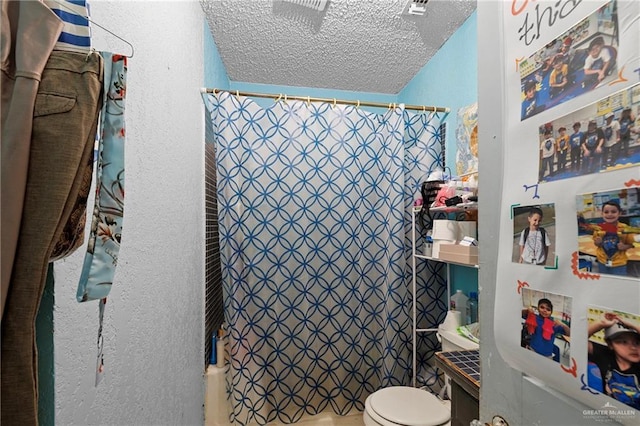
115, 35
100, 26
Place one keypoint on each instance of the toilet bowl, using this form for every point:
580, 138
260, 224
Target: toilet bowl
406, 406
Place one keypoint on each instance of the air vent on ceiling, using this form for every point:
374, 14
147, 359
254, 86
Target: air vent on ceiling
416, 7
312, 4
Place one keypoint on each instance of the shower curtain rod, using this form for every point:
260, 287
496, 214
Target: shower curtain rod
334, 101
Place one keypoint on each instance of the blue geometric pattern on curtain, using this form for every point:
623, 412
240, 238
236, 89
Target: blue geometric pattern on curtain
313, 207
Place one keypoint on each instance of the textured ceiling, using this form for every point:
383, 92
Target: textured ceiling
355, 45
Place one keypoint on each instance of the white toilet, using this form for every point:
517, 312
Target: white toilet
409, 406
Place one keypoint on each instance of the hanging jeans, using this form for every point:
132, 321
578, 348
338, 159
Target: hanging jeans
29, 32
64, 127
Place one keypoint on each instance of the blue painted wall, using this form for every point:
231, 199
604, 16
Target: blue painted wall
44, 343
450, 79
215, 74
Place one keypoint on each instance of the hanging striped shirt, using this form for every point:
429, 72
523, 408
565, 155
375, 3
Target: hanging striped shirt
76, 33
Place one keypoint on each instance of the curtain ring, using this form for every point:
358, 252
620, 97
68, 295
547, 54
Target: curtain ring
358, 104
278, 98
308, 101
237, 93
285, 98
334, 103
424, 108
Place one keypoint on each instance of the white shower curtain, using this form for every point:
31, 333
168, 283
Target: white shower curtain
314, 259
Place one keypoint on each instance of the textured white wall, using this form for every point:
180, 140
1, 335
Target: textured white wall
154, 320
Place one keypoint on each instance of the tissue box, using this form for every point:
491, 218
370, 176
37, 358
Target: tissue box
435, 250
459, 254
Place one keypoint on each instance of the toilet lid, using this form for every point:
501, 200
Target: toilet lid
409, 406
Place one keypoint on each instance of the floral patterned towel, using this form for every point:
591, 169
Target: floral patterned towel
101, 258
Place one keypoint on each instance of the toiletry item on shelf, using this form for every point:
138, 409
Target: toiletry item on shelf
213, 357
451, 321
473, 307
220, 349
470, 331
428, 245
417, 199
460, 302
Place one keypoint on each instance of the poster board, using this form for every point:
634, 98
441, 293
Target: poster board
546, 43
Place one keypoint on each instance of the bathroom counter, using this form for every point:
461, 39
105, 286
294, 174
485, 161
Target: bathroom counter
463, 367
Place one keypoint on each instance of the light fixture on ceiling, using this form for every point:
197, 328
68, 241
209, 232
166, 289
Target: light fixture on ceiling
416, 7
312, 4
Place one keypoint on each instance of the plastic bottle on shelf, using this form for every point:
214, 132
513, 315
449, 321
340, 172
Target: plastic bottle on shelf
213, 360
220, 349
460, 303
473, 307
428, 244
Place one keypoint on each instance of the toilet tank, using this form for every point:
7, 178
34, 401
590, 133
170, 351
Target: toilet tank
452, 341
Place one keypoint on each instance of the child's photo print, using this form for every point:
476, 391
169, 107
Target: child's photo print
534, 234
546, 325
600, 137
613, 354
609, 232
576, 62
